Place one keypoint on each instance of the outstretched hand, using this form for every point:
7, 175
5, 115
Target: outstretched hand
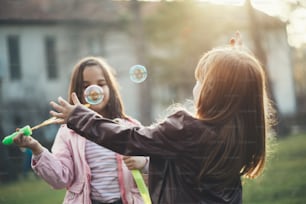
236, 41
63, 109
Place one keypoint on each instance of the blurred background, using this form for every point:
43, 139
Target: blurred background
41, 40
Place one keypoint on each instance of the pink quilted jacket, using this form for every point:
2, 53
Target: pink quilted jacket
66, 167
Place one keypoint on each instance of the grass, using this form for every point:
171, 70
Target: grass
283, 181
31, 190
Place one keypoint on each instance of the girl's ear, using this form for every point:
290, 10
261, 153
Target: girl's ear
75, 99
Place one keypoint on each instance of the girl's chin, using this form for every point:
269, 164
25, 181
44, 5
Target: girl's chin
98, 108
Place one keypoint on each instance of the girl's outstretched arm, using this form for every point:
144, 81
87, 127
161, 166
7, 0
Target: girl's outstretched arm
156, 140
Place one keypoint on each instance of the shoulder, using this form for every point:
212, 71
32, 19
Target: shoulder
66, 139
182, 115
133, 121
185, 120
176, 121
64, 132
65, 129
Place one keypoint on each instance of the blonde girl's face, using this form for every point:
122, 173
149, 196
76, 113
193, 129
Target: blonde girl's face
93, 75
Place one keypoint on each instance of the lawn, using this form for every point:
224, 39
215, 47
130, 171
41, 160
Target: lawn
31, 190
283, 182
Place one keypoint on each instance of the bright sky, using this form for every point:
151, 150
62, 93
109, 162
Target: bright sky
272, 7
297, 26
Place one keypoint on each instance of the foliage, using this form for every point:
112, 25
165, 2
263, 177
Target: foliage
180, 38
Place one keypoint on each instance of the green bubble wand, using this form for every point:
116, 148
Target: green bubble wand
27, 131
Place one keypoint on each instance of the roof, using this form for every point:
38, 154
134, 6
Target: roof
104, 11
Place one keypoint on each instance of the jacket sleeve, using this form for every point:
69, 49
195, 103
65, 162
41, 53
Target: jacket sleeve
162, 139
56, 168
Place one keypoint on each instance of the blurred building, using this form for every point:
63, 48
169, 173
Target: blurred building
212, 25
40, 41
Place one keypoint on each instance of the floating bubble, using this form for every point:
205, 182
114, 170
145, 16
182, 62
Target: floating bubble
138, 73
93, 94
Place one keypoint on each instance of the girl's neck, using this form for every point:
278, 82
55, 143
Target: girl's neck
104, 113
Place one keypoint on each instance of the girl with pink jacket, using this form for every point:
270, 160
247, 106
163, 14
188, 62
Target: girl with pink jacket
91, 174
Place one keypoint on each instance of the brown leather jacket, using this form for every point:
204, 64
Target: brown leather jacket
177, 149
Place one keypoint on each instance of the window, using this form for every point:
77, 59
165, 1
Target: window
14, 57
50, 46
93, 45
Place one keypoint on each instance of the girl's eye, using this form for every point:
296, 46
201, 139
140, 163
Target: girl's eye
87, 85
101, 85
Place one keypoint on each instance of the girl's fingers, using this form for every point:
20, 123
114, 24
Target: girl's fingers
61, 110
20, 139
61, 106
125, 157
56, 114
236, 41
17, 139
56, 107
75, 99
59, 118
63, 102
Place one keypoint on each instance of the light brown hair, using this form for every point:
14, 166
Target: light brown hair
114, 108
233, 100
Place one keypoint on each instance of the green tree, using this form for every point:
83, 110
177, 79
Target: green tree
179, 33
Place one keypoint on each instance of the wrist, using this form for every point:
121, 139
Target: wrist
37, 149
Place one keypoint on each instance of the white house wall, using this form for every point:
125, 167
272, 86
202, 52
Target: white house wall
121, 56
72, 44
280, 71
34, 83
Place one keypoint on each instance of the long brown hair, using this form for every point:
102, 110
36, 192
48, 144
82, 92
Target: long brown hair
234, 101
114, 108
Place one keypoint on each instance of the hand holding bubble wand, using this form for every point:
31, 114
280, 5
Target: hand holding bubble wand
93, 95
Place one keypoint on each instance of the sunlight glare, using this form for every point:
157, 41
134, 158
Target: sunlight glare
228, 2
297, 28
296, 21
271, 7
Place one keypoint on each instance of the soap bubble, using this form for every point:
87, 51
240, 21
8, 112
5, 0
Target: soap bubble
93, 94
138, 73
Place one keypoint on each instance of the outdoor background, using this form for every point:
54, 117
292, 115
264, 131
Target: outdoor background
40, 41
